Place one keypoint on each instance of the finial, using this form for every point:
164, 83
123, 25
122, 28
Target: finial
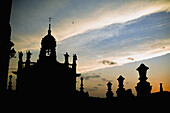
74, 57
66, 58
49, 30
28, 55
20, 55
81, 85
161, 88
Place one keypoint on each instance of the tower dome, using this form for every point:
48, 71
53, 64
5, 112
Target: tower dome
48, 45
48, 41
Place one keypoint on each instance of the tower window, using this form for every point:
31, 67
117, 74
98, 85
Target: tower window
48, 52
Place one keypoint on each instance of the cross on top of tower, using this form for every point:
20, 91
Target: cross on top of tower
49, 20
49, 31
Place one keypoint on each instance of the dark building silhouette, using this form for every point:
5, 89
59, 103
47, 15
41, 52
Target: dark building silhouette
129, 94
47, 76
6, 45
121, 92
143, 88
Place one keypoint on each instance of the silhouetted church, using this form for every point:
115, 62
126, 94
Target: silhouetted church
47, 76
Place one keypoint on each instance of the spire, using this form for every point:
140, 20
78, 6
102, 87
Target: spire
48, 46
49, 30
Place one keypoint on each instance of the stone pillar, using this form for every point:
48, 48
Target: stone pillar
143, 88
120, 91
109, 94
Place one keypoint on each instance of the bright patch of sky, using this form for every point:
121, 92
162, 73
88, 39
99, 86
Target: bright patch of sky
140, 39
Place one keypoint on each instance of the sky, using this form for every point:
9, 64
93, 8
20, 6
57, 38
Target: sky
110, 37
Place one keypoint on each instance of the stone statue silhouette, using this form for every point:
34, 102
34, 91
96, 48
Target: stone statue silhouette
20, 55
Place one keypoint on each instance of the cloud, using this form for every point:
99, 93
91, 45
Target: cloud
130, 58
107, 62
100, 84
95, 87
109, 13
126, 82
91, 89
91, 77
87, 17
106, 80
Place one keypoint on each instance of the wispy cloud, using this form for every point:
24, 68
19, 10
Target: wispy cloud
100, 84
90, 15
111, 12
107, 62
133, 41
92, 76
91, 89
130, 58
106, 80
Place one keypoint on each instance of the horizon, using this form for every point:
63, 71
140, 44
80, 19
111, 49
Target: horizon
102, 35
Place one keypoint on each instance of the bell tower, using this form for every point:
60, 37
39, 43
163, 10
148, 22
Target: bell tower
48, 47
